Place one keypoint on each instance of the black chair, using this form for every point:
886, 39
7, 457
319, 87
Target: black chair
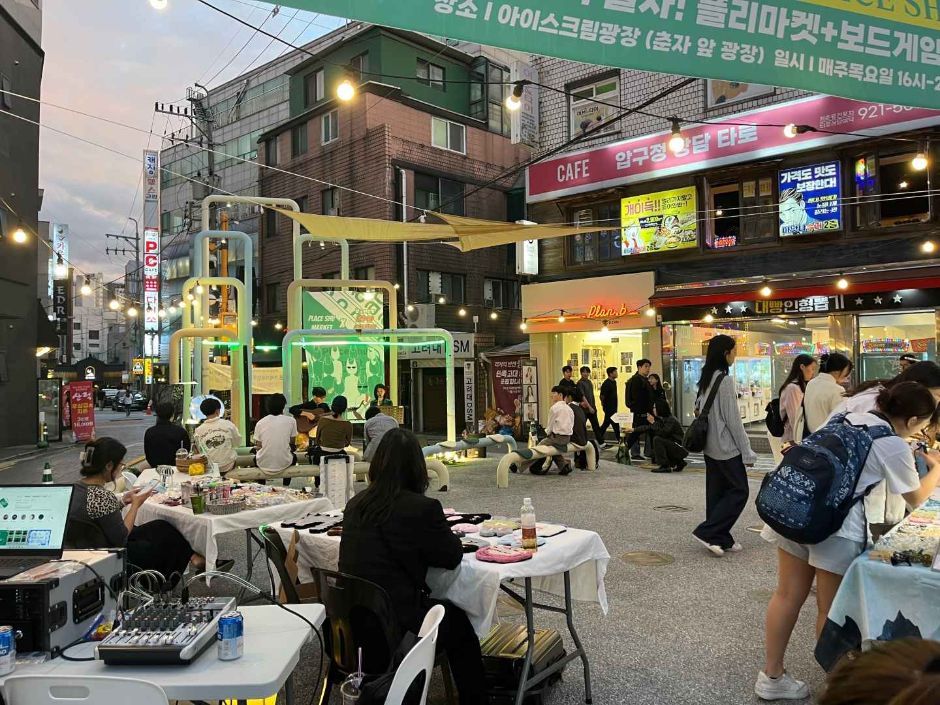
276, 553
82, 535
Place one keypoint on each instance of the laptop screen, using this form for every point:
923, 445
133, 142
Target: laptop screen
33, 518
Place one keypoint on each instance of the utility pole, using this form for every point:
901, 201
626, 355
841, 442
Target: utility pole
134, 249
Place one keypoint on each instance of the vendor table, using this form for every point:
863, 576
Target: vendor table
571, 565
273, 640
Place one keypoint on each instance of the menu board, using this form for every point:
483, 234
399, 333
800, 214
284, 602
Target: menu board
660, 221
810, 199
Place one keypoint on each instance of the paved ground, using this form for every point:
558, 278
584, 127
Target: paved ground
689, 632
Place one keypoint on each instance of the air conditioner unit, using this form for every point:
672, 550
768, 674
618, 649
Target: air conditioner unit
421, 316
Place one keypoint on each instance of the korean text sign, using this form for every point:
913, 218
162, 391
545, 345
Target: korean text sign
838, 48
659, 222
82, 410
810, 199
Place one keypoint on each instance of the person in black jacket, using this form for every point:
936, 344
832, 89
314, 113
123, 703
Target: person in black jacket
579, 431
164, 438
392, 534
609, 404
640, 400
667, 435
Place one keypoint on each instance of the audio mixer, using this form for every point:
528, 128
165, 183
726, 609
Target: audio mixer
165, 632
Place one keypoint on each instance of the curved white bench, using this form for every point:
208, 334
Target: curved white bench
524, 456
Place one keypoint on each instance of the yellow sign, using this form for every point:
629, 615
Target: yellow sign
138, 366
148, 370
923, 13
659, 222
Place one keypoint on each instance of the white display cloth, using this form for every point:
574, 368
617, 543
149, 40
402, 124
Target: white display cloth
474, 585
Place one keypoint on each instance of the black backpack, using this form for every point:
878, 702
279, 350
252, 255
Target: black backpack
774, 421
807, 498
695, 434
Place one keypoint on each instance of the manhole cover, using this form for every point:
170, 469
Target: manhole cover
756, 529
647, 558
671, 508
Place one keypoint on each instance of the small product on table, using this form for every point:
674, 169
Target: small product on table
198, 500
527, 519
915, 540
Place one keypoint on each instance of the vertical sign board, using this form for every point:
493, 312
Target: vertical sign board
151, 288
469, 396
62, 313
82, 410
527, 257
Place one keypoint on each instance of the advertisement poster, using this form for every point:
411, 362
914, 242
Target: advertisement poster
507, 384
721, 93
658, 222
82, 410
66, 406
350, 370
809, 200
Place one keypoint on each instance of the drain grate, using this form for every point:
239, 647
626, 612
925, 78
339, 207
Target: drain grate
671, 508
647, 558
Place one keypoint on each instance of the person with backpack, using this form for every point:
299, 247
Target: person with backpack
825, 391
785, 414
819, 533
727, 449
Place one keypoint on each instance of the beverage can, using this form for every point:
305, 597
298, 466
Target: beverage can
231, 636
226, 491
7, 650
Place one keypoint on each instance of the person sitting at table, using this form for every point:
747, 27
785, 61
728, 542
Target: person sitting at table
274, 439
906, 408
380, 396
156, 545
392, 534
334, 433
219, 437
164, 438
376, 426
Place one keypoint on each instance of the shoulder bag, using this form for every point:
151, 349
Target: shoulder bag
695, 434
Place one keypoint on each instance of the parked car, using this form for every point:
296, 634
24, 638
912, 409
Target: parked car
138, 401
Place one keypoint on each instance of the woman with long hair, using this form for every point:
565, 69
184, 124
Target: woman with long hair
727, 451
900, 672
380, 396
791, 394
906, 408
825, 391
392, 534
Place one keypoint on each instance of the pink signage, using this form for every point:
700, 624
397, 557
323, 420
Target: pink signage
751, 135
82, 410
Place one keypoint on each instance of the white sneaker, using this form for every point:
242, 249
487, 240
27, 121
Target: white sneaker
786, 687
736, 548
717, 550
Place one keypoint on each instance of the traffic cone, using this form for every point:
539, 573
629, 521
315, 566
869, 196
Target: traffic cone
150, 408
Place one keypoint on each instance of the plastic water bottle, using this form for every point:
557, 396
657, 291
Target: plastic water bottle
47, 474
181, 454
527, 518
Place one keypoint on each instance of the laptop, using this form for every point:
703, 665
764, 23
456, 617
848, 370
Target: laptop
32, 525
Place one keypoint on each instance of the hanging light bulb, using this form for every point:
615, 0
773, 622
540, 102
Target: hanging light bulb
409, 308
441, 300
396, 286
132, 311
161, 313
790, 131
86, 287
368, 295
708, 318
929, 247
346, 91
278, 325
766, 291
61, 271
254, 323
561, 316
523, 325
114, 305
190, 297
605, 328
677, 142
842, 283
651, 312
919, 162
158, 4
172, 310
200, 289
514, 100
462, 311
494, 315
19, 235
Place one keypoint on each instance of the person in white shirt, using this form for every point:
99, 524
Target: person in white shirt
559, 429
825, 391
219, 437
907, 408
791, 403
274, 438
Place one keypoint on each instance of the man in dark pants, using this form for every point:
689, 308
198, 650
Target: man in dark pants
579, 430
667, 435
609, 405
640, 400
589, 404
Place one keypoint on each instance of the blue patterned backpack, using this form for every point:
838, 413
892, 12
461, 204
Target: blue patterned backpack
807, 498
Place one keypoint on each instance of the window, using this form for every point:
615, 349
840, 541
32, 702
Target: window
500, 293
270, 152
302, 202
314, 87
329, 201
271, 292
6, 100
448, 135
76, 347
601, 246
359, 65
270, 222
592, 105
298, 140
433, 285
93, 334
435, 194
430, 74
365, 273
329, 127
886, 184
76, 326
488, 92
742, 212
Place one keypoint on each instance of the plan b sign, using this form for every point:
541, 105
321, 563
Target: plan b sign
810, 200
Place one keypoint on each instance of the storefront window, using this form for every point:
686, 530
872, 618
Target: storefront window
596, 247
743, 211
899, 193
883, 338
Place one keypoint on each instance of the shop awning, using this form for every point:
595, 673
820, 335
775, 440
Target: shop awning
466, 234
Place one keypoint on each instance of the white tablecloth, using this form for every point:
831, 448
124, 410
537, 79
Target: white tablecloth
202, 530
474, 585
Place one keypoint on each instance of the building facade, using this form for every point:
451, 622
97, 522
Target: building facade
821, 238
21, 62
426, 127
93, 322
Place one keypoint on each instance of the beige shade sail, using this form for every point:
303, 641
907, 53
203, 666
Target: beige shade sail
464, 233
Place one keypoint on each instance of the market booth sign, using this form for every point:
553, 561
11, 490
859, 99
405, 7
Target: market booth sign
836, 48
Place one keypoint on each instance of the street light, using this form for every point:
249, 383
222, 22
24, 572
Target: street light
346, 91
19, 235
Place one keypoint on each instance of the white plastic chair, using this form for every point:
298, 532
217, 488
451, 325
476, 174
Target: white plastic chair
80, 690
419, 659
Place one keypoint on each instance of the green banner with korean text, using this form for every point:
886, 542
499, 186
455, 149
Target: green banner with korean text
884, 51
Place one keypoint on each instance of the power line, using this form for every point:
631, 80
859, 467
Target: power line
269, 44
245, 45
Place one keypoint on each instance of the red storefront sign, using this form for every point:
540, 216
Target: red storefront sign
750, 135
507, 383
82, 410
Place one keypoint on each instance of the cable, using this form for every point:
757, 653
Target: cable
268, 46
254, 9
251, 37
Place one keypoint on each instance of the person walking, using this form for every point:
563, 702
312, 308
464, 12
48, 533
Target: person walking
589, 404
566, 373
609, 405
791, 394
639, 397
727, 450
825, 391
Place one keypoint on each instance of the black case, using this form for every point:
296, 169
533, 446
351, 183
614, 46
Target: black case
504, 651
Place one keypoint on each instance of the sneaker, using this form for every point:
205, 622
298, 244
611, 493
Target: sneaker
637, 457
680, 466
662, 468
565, 470
717, 550
736, 548
786, 687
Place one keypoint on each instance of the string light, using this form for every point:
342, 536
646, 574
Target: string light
929, 247
651, 312
842, 283
792, 130
462, 311
199, 289
677, 142
368, 295
523, 326
766, 291
158, 4
162, 313
409, 308
114, 305
708, 318
254, 323
441, 300
514, 100
86, 287
919, 162
19, 235
172, 310
494, 315
61, 270
605, 328
561, 316
132, 312
278, 326
190, 297
396, 286
346, 91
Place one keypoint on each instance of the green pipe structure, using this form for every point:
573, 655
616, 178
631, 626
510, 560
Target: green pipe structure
295, 292
298, 338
